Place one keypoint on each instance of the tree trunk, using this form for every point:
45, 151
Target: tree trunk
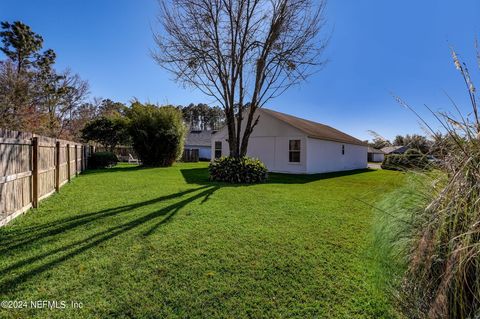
232, 140
249, 126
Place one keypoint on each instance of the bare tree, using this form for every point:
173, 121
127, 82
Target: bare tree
16, 107
242, 53
59, 96
33, 95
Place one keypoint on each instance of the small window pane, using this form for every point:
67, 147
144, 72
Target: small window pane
218, 149
294, 151
294, 145
294, 157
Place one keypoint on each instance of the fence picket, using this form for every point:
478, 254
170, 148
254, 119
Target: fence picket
35, 150
32, 167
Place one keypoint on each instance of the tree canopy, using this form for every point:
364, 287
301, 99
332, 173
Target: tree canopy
158, 133
21, 45
107, 131
241, 53
203, 117
33, 95
414, 141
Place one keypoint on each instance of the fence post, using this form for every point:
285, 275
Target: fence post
87, 154
69, 177
76, 160
35, 149
85, 150
83, 157
57, 166
88, 151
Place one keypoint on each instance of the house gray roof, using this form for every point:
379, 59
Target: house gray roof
394, 149
375, 150
199, 138
314, 129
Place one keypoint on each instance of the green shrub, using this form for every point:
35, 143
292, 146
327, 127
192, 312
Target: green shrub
102, 160
238, 170
157, 133
108, 131
412, 160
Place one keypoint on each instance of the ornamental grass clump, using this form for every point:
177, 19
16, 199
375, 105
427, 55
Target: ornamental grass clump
443, 275
413, 159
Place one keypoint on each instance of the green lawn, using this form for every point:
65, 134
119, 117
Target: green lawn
147, 243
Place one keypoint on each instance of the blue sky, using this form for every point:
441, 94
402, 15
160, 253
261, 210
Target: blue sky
378, 48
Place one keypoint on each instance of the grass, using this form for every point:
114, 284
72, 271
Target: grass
132, 242
397, 218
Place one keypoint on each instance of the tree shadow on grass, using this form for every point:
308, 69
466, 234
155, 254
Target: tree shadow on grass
19, 239
12, 276
199, 176
281, 178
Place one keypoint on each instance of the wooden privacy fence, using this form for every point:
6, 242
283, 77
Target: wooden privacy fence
33, 167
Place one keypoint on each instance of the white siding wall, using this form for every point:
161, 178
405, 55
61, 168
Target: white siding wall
273, 151
270, 140
326, 156
378, 157
204, 152
269, 143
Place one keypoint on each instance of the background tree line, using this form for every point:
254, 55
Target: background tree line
203, 117
38, 98
34, 96
414, 141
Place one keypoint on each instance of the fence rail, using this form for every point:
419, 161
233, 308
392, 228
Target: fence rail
33, 167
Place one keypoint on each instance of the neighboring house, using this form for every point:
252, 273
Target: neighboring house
394, 149
290, 144
375, 155
200, 140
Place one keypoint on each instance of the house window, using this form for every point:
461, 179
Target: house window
218, 149
343, 149
294, 151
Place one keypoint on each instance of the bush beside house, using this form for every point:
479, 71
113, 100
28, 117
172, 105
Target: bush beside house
238, 170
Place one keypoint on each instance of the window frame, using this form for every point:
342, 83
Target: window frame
216, 149
294, 151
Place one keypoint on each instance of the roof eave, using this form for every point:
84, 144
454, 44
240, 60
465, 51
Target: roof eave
360, 143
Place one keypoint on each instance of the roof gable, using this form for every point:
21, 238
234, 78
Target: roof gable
198, 138
394, 149
375, 150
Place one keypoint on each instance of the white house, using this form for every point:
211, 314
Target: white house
289, 144
200, 140
375, 155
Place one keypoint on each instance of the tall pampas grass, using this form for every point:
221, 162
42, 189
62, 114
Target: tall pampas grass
442, 279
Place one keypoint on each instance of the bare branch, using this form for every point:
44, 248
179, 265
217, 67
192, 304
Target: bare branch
241, 52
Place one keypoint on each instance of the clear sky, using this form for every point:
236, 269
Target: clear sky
378, 48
